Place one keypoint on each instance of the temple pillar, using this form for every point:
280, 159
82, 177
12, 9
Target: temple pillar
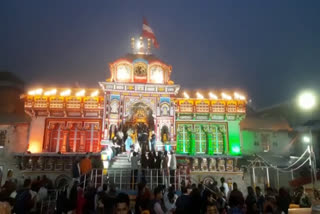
82, 147
209, 144
46, 146
64, 141
192, 150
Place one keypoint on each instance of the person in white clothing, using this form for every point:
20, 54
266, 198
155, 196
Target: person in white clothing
172, 166
225, 186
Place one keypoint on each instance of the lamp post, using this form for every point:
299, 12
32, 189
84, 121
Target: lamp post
307, 102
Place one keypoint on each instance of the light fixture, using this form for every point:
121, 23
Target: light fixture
186, 95
51, 92
239, 96
36, 92
307, 100
66, 92
226, 96
199, 96
213, 96
95, 93
306, 139
81, 93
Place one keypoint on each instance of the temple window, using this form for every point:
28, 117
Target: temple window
73, 103
217, 140
41, 102
56, 139
186, 107
183, 138
202, 107
92, 139
201, 139
218, 107
232, 108
91, 104
56, 103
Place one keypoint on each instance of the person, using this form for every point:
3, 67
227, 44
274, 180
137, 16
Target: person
236, 200
144, 207
207, 198
169, 199
195, 200
183, 203
165, 169
76, 169
211, 208
283, 200
128, 146
153, 142
144, 166
73, 195
8, 187
85, 165
251, 201
260, 200
134, 169
172, 166
225, 186
122, 204
157, 208
158, 166
25, 200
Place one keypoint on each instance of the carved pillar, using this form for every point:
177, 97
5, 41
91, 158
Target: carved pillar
64, 141
209, 145
46, 146
82, 141
192, 150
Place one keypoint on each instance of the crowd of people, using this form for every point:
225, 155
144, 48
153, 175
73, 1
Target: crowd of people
210, 198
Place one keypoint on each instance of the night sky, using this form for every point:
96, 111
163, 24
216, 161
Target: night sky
269, 49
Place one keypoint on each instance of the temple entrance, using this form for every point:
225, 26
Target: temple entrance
139, 125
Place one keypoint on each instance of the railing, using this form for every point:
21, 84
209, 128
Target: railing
127, 179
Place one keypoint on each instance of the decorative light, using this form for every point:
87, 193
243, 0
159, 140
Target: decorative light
186, 95
36, 92
236, 149
226, 96
239, 96
95, 93
51, 92
66, 92
199, 96
307, 100
81, 93
213, 96
306, 139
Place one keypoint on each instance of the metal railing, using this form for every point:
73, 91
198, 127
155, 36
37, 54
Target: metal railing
127, 179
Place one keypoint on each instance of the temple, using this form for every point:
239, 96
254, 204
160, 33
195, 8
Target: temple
138, 96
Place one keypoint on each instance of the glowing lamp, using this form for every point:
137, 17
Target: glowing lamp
95, 93
31, 93
235, 149
66, 92
306, 139
81, 93
186, 95
51, 92
307, 100
34, 147
213, 96
226, 96
199, 96
239, 96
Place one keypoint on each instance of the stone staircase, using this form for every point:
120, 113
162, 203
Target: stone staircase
120, 162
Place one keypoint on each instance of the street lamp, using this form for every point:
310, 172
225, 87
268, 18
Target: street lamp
307, 102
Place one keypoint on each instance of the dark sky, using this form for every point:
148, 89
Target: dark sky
269, 49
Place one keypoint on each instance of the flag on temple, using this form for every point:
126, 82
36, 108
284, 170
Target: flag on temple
148, 33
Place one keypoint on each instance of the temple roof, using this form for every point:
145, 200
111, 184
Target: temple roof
149, 57
267, 124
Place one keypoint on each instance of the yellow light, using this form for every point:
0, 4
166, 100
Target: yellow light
213, 96
104, 157
38, 91
51, 92
199, 96
81, 93
239, 96
186, 95
31, 93
34, 147
95, 93
66, 92
226, 96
